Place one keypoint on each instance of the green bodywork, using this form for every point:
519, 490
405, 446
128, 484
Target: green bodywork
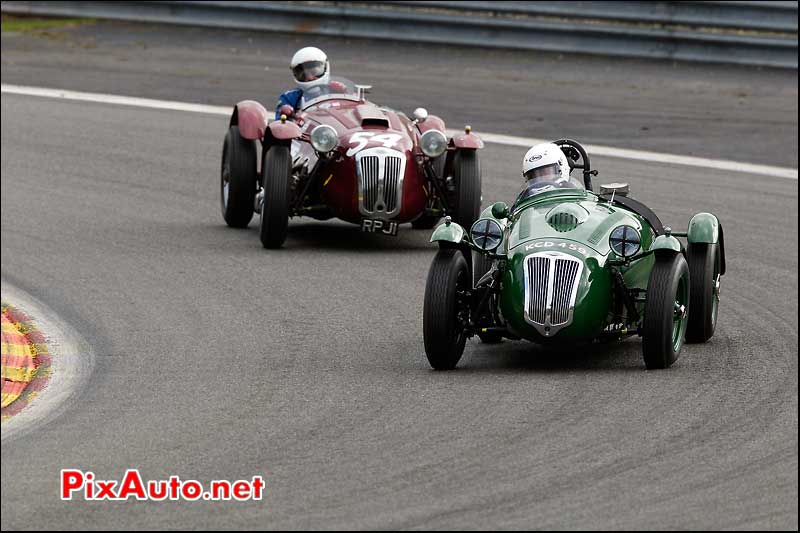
448, 232
667, 242
703, 228
579, 223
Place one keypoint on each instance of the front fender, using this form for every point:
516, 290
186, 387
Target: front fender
468, 141
666, 243
251, 117
281, 132
452, 233
704, 228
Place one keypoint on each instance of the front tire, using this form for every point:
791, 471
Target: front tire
275, 211
704, 269
446, 309
666, 311
238, 179
467, 198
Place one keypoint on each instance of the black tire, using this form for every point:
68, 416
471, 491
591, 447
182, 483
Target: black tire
466, 203
443, 327
429, 221
275, 211
704, 270
239, 171
664, 326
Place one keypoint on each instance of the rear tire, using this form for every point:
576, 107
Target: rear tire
275, 211
445, 314
664, 325
467, 198
704, 268
238, 178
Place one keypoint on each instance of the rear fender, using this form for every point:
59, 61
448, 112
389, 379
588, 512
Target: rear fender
251, 117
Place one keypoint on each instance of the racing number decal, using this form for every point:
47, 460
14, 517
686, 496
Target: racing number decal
363, 138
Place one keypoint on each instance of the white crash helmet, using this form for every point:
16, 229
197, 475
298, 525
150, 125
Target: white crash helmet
310, 67
545, 162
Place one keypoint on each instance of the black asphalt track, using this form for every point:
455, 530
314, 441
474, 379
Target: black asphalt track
217, 359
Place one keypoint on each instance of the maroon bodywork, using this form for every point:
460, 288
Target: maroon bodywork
359, 125
467, 141
340, 192
253, 121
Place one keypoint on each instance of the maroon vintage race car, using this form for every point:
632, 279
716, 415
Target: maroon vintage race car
345, 157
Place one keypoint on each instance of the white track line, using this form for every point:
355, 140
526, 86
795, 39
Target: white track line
507, 140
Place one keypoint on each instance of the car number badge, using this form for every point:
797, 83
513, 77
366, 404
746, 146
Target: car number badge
384, 227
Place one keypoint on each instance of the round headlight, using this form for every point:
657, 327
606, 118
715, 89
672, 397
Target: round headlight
433, 143
324, 138
625, 241
486, 234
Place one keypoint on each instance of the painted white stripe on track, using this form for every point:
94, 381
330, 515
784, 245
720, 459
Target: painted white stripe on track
494, 138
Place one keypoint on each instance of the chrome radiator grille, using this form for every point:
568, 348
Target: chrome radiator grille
380, 181
551, 285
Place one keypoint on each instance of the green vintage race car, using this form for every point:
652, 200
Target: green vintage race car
564, 264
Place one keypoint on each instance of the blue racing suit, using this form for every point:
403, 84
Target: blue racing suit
291, 97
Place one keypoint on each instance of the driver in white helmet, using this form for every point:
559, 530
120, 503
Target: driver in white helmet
310, 68
546, 168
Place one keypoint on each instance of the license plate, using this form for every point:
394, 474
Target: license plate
384, 227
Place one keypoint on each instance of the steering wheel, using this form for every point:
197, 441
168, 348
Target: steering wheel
575, 152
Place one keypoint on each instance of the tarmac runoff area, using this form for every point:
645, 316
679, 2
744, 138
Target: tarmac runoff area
44, 362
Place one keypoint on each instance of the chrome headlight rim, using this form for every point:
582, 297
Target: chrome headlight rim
486, 234
324, 138
625, 241
433, 143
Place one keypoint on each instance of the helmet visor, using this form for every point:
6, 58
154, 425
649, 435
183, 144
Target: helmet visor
309, 71
545, 173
